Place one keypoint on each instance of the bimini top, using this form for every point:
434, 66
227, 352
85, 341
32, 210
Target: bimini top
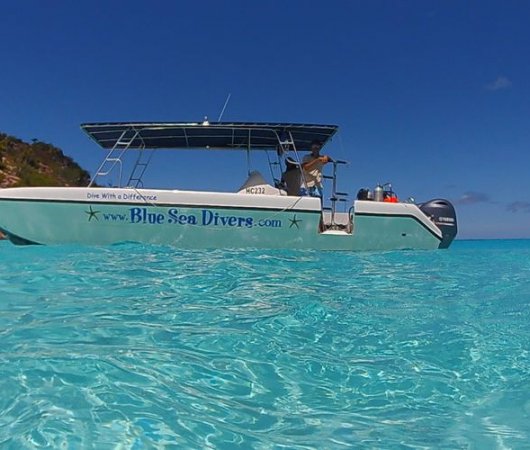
214, 135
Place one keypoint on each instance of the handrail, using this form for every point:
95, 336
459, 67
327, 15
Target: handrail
335, 196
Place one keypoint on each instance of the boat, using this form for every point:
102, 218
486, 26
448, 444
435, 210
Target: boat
260, 214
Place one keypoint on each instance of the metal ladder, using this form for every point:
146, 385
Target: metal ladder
275, 168
336, 196
115, 155
137, 173
285, 144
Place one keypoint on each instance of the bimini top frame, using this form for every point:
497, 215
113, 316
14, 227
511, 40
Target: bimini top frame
120, 137
214, 135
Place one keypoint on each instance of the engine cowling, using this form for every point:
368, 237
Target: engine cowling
443, 214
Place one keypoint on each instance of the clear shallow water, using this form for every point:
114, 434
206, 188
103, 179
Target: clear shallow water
140, 346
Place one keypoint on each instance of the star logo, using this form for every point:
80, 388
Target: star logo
294, 222
92, 214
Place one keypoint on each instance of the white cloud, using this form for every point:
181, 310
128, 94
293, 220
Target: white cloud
472, 198
519, 207
500, 83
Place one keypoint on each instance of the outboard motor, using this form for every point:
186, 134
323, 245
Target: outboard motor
443, 214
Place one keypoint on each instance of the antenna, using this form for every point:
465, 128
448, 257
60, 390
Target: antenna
224, 107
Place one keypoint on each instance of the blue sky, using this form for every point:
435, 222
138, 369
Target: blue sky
433, 96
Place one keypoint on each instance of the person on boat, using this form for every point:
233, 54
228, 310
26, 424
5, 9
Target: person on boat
292, 177
312, 165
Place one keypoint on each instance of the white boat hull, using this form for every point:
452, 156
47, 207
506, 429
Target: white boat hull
202, 220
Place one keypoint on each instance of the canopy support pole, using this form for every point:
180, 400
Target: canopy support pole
248, 153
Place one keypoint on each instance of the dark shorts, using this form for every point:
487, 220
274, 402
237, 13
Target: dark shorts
314, 191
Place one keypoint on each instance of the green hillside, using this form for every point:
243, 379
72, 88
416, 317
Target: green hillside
37, 164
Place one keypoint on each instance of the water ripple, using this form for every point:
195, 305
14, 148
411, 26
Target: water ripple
136, 347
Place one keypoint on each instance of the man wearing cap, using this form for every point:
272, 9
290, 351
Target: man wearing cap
312, 166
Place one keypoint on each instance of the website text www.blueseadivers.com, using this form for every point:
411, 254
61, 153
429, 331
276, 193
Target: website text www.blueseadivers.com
173, 216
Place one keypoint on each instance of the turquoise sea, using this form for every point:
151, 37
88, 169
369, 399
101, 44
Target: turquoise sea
134, 347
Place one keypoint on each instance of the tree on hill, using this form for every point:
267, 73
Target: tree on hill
37, 164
